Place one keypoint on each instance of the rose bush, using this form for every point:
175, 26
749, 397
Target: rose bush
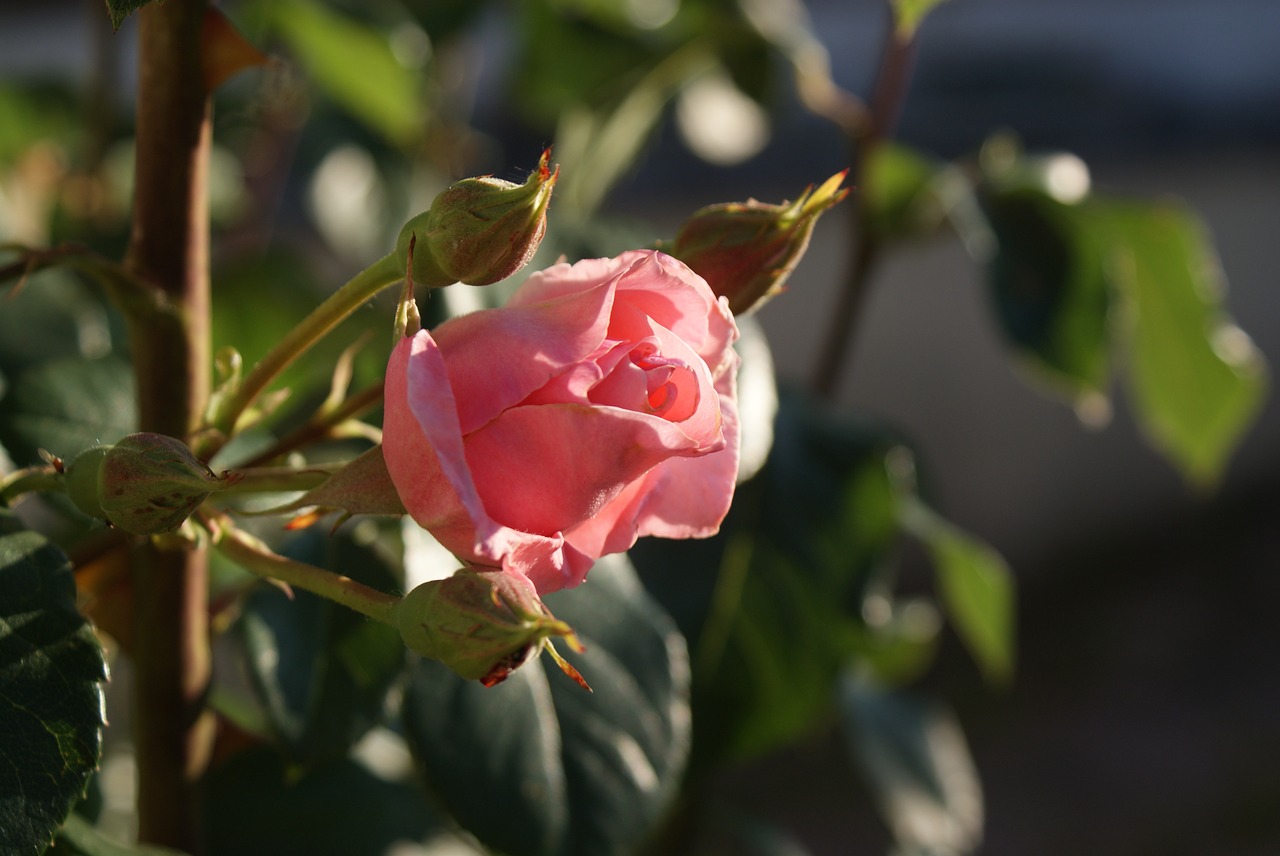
597, 406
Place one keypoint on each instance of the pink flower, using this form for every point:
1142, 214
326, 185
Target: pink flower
596, 407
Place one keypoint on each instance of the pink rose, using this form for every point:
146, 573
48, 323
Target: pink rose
597, 406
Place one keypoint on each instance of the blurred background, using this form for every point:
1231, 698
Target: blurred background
1145, 714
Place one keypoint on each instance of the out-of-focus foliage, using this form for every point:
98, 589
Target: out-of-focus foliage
792, 620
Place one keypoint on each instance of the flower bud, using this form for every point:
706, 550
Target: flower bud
746, 250
482, 624
146, 484
479, 230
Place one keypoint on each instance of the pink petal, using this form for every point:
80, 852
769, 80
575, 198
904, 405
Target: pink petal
545, 469
683, 497
497, 357
424, 451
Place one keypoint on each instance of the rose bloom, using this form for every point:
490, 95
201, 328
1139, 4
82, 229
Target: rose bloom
597, 406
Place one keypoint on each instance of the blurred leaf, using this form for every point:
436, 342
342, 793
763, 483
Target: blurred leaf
355, 66
976, 586
1050, 289
915, 761
597, 146
79, 836
67, 405
535, 765
51, 702
909, 14
443, 19
282, 290
121, 9
33, 113
773, 629
322, 670
258, 803
897, 193
567, 60
53, 316
1196, 378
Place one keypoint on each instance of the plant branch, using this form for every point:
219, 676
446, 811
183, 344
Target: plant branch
358, 291
169, 249
318, 427
29, 480
257, 558
888, 94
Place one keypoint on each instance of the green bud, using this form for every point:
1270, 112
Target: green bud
746, 250
146, 484
482, 624
479, 230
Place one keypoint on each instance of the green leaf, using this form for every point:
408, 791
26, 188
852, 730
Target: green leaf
536, 765
51, 703
773, 628
976, 585
79, 836
31, 113
913, 757
355, 66
121, 9
897, 193
322, 670
909, 14
67, 405
259, 803
1197, 380
1050, 289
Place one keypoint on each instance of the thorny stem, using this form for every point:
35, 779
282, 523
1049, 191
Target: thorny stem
169, 248
886, 105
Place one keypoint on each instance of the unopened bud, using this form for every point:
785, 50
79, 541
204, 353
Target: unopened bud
746, 250
479, 230
146, 484
481, 624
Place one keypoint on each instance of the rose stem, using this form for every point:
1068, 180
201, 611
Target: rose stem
888, 93
380, 275
169, 248
256, 557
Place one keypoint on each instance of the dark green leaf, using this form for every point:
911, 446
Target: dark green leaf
1196, 378
79, 836
976, 586
914, 758
53, 316
355, 66
322, 670
1050, 289
121, 9
536, 765
258, 803
775, 626
51, 704
65, 406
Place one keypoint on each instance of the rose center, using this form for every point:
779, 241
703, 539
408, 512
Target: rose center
671, 386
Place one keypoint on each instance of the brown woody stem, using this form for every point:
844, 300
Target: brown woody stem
169, 248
